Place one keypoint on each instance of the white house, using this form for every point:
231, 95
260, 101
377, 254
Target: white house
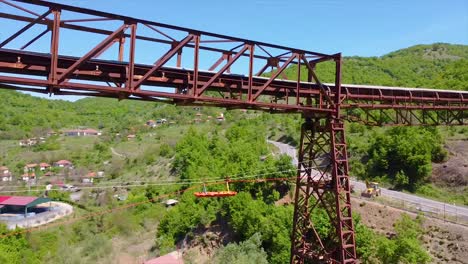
44, 166
88, 178
5, 174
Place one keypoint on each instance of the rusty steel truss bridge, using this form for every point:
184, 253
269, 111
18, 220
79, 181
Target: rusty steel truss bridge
193, 67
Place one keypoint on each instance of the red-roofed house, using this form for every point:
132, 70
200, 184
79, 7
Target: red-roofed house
63, 164
171, 258
29, 176
44, 166
89, 178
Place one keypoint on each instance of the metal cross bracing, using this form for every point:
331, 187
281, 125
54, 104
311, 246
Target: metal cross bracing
323, 184
144, 60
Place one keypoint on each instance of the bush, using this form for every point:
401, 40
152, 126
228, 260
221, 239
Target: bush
249, 251
404, 155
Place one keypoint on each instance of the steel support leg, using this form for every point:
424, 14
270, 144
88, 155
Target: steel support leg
322, 188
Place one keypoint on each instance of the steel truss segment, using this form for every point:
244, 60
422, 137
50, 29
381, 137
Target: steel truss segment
20, 8
408, 117
274, 76
159, 63
323, 185
223, 69
311, 69
93, 52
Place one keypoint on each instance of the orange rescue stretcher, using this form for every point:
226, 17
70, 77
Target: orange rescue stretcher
215, 194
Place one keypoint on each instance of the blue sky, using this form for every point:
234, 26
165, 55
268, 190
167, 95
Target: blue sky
364, 28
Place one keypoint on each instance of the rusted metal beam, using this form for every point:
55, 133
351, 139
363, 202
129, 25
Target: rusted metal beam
223, 69
273, 77
159, 63
98, 48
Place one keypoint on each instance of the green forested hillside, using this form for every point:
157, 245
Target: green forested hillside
443, 66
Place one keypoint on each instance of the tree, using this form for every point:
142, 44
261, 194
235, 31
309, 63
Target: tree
249, 251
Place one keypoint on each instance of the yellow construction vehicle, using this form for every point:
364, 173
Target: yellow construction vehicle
372, 190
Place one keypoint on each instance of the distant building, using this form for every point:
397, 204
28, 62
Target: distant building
48, 174
5, 174
171, 202
81, 132
220, 118
30, 167
44, 166
131, 136
63, 164
21, 205
28, 176
151, 123
28, 142
89, 177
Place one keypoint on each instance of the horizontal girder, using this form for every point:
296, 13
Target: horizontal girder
172, 82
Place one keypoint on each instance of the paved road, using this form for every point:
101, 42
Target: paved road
422, 204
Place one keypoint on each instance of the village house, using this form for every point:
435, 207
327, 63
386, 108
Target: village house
131, 136
28, 142
49, 174
5, 173
81, 132
30, 167
44, 166
151, 123
63, 164
220, 118
29, 176
89, 177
